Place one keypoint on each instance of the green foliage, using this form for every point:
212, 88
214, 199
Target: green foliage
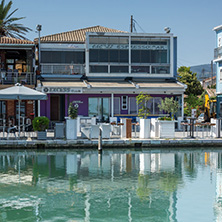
8, 27
73, 110
169, 105
186, 76
194, 102
165, 118
40, 123
142, 101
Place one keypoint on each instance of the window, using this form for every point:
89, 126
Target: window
119, 69
116, 105
99, 69
124, 102
100, 108
2, 109
75, 57
132, 105
220, 73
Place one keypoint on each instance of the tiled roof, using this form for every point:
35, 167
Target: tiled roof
76, 36
8, 40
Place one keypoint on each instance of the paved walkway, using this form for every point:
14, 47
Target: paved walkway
202, 139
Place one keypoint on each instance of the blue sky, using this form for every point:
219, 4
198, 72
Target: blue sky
191, 21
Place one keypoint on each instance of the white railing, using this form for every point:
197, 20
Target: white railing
10, 77
63, 69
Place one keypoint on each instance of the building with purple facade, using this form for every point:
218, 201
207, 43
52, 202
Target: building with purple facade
103, 70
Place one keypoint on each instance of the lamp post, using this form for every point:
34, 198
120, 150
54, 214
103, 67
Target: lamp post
39, 28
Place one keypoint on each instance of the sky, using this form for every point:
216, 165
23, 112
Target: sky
192, 21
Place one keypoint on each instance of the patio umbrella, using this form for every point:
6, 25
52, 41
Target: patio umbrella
20, 92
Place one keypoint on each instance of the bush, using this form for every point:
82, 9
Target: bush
73, 110
40, 123
165, 118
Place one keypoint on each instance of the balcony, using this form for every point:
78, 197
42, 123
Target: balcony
62, 69
10, 78
218, 53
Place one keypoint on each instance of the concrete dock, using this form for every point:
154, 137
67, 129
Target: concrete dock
180, 140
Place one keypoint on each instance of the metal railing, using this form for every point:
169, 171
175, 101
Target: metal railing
63, 69
25, 78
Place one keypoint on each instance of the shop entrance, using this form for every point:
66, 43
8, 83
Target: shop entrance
57, 107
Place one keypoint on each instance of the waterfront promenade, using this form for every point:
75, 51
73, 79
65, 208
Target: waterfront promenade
181, 140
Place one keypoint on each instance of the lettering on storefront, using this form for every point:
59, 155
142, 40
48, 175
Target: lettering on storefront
126, 46
62, 90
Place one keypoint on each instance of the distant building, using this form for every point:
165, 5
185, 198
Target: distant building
218, 61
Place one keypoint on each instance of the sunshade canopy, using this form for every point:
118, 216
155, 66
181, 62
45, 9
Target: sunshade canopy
20, 92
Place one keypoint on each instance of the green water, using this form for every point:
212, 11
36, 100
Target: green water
150, 185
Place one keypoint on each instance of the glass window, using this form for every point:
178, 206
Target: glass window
93, 107
2, 109
135, 56
98, 69
93, 55
99, 107
132, 105
119, 69
124, 56
140, 69
116, 105
161, 69
63, 57
22, 110
103, 55
114, 55
156, 103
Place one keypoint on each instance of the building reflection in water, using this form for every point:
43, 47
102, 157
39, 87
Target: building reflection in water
86, 185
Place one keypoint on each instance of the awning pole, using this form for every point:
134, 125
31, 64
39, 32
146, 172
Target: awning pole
19, 101
38, 107
112, 105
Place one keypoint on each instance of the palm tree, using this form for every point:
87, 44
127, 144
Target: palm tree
7, 26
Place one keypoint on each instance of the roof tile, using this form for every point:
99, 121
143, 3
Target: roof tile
9, 40
76, 36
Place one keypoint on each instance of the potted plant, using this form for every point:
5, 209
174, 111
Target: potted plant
142, 101
166, 125
41, 124
71, 122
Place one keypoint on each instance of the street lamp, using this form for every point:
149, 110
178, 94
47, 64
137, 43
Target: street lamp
39, 29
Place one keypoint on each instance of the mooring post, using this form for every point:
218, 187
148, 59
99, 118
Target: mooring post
100, 140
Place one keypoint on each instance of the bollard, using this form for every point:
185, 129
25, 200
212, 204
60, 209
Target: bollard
100, 140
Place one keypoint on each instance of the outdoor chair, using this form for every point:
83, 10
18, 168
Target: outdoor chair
12, 130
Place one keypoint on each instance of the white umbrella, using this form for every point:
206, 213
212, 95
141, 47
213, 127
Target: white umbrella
20, 92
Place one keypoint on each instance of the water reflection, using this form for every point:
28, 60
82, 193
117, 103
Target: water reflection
114, 186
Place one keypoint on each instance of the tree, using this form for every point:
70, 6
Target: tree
194, 102
169, 105
142, 101
186, 76
8, 27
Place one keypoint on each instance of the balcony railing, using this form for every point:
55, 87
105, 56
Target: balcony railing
10, 77
218, 53
63, 69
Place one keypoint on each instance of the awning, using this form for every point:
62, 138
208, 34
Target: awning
122, 87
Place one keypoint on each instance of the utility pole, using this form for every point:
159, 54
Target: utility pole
131, 24
211, 73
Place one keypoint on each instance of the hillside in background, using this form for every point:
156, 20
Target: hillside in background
203, 71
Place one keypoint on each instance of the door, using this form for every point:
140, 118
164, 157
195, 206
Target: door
55, 107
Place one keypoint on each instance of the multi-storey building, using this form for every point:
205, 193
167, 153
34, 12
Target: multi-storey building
16, 66
103, 70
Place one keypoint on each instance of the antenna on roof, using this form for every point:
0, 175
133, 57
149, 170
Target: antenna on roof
133, 23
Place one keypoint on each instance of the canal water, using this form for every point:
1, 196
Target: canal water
147, 185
